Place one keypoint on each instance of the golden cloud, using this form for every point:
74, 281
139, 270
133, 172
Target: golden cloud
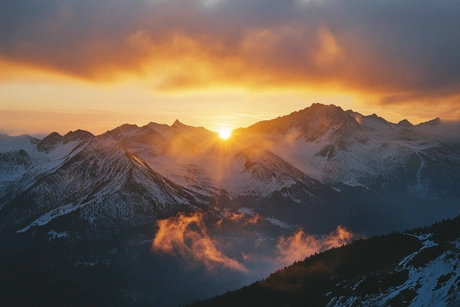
176, 46
300, 245
186, 236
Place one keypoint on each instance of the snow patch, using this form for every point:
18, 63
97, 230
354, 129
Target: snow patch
50, 215
434, 283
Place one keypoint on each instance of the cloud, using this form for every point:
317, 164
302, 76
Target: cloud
186, 236
244, 219
258, 250
388, 48
300, 245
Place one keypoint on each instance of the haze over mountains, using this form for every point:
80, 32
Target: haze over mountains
313, 169
309, 159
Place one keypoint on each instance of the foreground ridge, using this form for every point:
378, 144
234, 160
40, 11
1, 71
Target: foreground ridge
415, 268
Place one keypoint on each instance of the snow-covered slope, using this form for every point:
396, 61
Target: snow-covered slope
201, 161
336, 146
430, 277
415, 268
307, 158
25, 160
320, 143
92, 174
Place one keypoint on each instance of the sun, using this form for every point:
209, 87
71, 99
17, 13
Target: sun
225, 133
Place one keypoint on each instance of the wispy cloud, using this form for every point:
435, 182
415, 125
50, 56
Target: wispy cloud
300, 245
187, 237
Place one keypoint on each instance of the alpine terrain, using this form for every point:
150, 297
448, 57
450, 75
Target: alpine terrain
415, 268
158, 214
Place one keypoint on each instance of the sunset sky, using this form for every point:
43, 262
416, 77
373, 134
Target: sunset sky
95, 65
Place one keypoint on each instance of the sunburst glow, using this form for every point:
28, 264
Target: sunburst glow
225, 133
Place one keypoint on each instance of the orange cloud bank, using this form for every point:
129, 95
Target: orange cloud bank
367, 54
175, 45
186, 236
301, 245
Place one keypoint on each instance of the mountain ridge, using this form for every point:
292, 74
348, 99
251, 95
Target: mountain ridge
87, 208
320, 148
416, 268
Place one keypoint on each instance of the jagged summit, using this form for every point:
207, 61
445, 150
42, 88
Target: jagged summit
376, 117
322, 106
177, 123
121, 131
317, 108
405, 123
54, 139
154, 125
49, 142
313, 123
77, 135
191, 132
52, 136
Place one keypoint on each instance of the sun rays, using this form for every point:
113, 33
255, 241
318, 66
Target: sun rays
225, 133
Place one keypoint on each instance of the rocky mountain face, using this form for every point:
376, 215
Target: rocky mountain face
93, 202
91, 176
321, 161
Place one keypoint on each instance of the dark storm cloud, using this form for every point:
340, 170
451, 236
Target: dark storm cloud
400, 49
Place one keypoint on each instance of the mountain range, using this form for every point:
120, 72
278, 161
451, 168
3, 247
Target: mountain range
312, 160
313, 169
